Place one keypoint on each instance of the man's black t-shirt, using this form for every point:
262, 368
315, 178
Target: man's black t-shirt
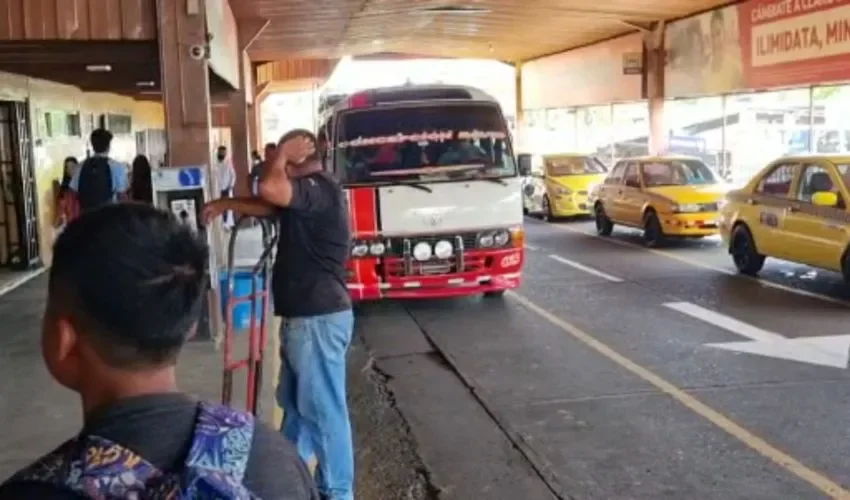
160, 429
309, 270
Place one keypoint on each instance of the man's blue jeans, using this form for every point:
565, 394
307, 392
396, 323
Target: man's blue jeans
311, 391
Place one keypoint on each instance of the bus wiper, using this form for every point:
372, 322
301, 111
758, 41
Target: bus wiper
414, 185
497, 180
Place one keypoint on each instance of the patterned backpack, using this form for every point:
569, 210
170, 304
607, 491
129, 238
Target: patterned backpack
102, 470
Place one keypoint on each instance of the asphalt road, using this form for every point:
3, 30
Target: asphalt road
617, 372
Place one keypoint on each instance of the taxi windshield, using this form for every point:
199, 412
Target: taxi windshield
576, 165
423, 143
677, 173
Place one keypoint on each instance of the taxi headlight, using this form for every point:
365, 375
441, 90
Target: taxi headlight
687, 208
563, 191
486, 240
443, 249
501, 238
422, 251
377, 248
359, 249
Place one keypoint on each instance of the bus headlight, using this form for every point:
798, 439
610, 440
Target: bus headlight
486, 240
422, 251
443, 249
377, 248
502, 238
359, 249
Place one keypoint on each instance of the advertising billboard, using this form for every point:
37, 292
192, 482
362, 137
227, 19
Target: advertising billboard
758, 44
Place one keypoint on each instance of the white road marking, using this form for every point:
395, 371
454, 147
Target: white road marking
725, 322
531, 247
588, 270
824, 484
703, 265
832, 350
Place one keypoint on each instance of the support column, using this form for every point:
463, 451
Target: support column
182, 36
248, 30
519, 112
655, 57
185, 84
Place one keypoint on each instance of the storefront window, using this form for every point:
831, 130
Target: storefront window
831, 123
561, 130
630, 130
764, 126
594, 133
695, 128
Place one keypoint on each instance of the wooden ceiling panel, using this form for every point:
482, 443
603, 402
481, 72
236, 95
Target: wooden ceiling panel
513, 30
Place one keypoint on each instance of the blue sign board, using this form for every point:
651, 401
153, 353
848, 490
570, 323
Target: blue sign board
190, 177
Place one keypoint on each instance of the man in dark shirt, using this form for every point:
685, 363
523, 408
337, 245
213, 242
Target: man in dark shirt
125, 293
311, 296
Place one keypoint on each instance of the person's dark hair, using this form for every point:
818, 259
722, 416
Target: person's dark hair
132, 279
101, 140
140, 181
300, 132
269, 145
65, 185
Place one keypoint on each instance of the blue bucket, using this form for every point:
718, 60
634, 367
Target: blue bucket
242, 287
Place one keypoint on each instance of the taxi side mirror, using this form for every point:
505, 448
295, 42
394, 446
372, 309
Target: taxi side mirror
523, 161
825, 199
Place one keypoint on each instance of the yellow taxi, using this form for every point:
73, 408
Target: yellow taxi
558, 185
794, 209
666, 196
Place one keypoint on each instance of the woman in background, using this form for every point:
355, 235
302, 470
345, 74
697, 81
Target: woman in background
141, 188
67, 207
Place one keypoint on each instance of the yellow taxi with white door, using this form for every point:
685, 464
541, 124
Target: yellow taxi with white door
794, 209
666, 196
558, 185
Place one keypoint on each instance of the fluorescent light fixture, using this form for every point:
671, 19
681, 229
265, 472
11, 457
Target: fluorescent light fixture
99, 68
146, 84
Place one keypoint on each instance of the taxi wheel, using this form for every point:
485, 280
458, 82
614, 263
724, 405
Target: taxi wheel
604, 226
744, 253
546, 207
653, 234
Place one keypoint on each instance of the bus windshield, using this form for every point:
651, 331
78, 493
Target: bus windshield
419, 143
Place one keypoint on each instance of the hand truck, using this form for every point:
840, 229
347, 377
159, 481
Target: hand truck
258, 301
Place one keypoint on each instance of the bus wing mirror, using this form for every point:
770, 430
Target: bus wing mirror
523, 161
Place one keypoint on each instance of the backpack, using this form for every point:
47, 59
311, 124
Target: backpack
94, 187
99, 469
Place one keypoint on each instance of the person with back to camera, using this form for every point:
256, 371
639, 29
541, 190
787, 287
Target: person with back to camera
311, 296
125, 294
100, 180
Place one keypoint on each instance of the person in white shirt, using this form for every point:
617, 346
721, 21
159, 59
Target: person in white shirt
226, 180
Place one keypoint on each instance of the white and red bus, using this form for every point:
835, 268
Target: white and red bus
433, 192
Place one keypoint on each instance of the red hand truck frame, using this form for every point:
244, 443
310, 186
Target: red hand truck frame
258, 300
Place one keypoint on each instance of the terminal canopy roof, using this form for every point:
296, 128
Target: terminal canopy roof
509, 30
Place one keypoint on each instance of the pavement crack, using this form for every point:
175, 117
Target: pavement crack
538, 463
